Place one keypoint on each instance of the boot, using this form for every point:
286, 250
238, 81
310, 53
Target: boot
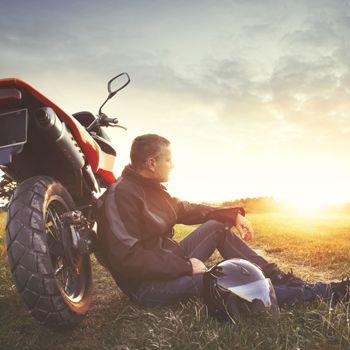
279, 277
340, 291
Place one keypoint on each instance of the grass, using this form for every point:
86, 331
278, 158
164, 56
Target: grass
317, 249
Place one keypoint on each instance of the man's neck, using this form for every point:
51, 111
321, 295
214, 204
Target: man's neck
145, 173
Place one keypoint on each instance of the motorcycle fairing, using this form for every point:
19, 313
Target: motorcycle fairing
107, 175
91, 149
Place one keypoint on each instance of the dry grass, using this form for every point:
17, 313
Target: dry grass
316, 248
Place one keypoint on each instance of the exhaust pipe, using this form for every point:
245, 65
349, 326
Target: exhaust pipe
48, 122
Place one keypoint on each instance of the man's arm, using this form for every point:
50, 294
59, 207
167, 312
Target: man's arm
244, 227
191, 214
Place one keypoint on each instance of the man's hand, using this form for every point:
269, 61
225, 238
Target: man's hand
198, 267
244, 227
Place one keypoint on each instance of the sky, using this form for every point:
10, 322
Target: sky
254, 95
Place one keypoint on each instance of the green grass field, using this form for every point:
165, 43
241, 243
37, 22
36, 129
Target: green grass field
316, 249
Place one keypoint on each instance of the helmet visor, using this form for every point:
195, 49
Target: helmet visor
260, 294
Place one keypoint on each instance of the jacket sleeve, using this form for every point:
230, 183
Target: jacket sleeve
192, 214
125, 246
227, 216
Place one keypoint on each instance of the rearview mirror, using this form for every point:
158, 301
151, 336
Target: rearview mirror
115, 84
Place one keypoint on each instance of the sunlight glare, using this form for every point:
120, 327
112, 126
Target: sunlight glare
307, 205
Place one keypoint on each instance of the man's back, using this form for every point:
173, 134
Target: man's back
135, 226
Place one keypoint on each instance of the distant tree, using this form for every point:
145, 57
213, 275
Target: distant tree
7, 186
254, 205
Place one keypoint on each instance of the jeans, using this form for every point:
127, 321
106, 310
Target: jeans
201, 244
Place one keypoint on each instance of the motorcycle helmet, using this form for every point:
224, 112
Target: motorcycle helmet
234, 287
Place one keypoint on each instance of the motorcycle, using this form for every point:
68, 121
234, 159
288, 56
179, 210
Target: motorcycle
61, 164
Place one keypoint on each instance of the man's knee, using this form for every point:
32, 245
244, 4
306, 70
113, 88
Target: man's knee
222, 231
214, 225
217, 228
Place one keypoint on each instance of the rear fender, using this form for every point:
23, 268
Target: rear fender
84, 139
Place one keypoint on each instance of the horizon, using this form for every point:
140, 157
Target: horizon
285, 206
253, 106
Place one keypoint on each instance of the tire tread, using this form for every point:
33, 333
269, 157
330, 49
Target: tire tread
29, 258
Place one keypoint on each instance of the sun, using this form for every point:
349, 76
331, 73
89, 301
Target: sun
310, 203
307, 205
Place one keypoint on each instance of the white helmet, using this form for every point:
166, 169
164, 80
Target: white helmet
236, 286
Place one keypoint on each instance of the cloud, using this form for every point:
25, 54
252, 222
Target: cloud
272, 77
308, 87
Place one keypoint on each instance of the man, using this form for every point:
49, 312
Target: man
136, 229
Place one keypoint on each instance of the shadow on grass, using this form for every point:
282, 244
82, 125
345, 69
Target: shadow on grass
115, 323
19, 330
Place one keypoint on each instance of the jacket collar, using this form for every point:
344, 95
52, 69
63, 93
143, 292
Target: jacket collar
130, 173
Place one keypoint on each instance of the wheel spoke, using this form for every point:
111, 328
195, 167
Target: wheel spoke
58, 270
68, 265
51, 224
57, 220
53, 234
70, 282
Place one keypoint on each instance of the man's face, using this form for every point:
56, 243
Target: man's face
163, 165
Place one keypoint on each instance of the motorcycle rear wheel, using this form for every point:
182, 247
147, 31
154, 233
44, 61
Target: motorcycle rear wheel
53, 280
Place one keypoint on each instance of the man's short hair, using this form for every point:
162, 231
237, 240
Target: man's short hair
144, 147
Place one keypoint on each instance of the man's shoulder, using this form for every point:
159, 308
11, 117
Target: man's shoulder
125, 186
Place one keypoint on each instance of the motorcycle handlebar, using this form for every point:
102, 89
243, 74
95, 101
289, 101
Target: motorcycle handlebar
105, 121
112, 120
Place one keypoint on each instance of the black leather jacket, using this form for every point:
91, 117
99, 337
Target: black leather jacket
135, 226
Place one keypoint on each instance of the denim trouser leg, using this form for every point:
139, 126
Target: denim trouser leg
200, 244
203, 241
206, 237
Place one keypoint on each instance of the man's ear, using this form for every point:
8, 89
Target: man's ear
151, 164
